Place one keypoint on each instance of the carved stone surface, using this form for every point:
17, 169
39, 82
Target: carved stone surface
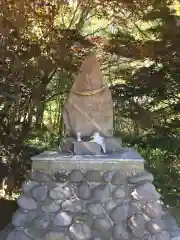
89, 114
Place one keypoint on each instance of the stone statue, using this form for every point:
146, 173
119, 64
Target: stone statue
89, 107
88, 113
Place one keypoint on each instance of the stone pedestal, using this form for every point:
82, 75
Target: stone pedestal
105, 197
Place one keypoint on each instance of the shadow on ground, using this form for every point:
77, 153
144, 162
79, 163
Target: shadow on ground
7, 208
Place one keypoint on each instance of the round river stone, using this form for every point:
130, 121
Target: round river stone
137, 225
20, 218
102, 224
119, 192
141, 177
55, 236
155, 226
84, 192
118, 179
120, 232
93, 176
42, 221
102, 192
17, 235
27, 186
40, 193
80, 231
27, 203
76, 176
146, 192
110, 205
96, 209
162, 236
107, 176
39, 176
62, 219
73, 206
153, 209
60, 193
50, 207
119, 213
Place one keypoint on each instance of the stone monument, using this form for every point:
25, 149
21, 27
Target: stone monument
87, 193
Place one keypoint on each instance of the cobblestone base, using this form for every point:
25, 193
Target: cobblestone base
89, 205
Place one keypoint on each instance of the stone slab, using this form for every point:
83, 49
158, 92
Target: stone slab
128, 161
89, 113
87, 148
113, 145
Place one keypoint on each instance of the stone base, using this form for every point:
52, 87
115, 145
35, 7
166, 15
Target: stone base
87, 148
89, 204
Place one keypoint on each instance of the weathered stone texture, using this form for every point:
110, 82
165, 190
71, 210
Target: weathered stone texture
90, 205
89, 114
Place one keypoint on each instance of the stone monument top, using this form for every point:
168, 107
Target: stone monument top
89, 107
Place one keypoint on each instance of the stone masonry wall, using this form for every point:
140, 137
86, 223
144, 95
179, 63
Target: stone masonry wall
89, 206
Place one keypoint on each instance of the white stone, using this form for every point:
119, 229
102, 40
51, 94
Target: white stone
62, 219
80, 231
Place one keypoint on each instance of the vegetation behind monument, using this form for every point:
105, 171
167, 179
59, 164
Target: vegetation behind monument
42, 45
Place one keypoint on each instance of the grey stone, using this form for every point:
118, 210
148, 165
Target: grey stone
107, 176
141, 177
96, 209
113, 145
84, 115
171, 226
84, 217
53, 235
27, 203
34, 233
63, 219
146, 192
40, 193
87, 148
110, 205
93, 176
50, 207
84, 192
76, 176
19, 218
120, 232
119, 192
161, 236
119, 213
80, 231
118, 179
155, 226
102, 192
39, 176
60, 193
102, 224
137, 225
101, 235
74, 205
27, 186
42, 221
153, 209
135, 207
17, 235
